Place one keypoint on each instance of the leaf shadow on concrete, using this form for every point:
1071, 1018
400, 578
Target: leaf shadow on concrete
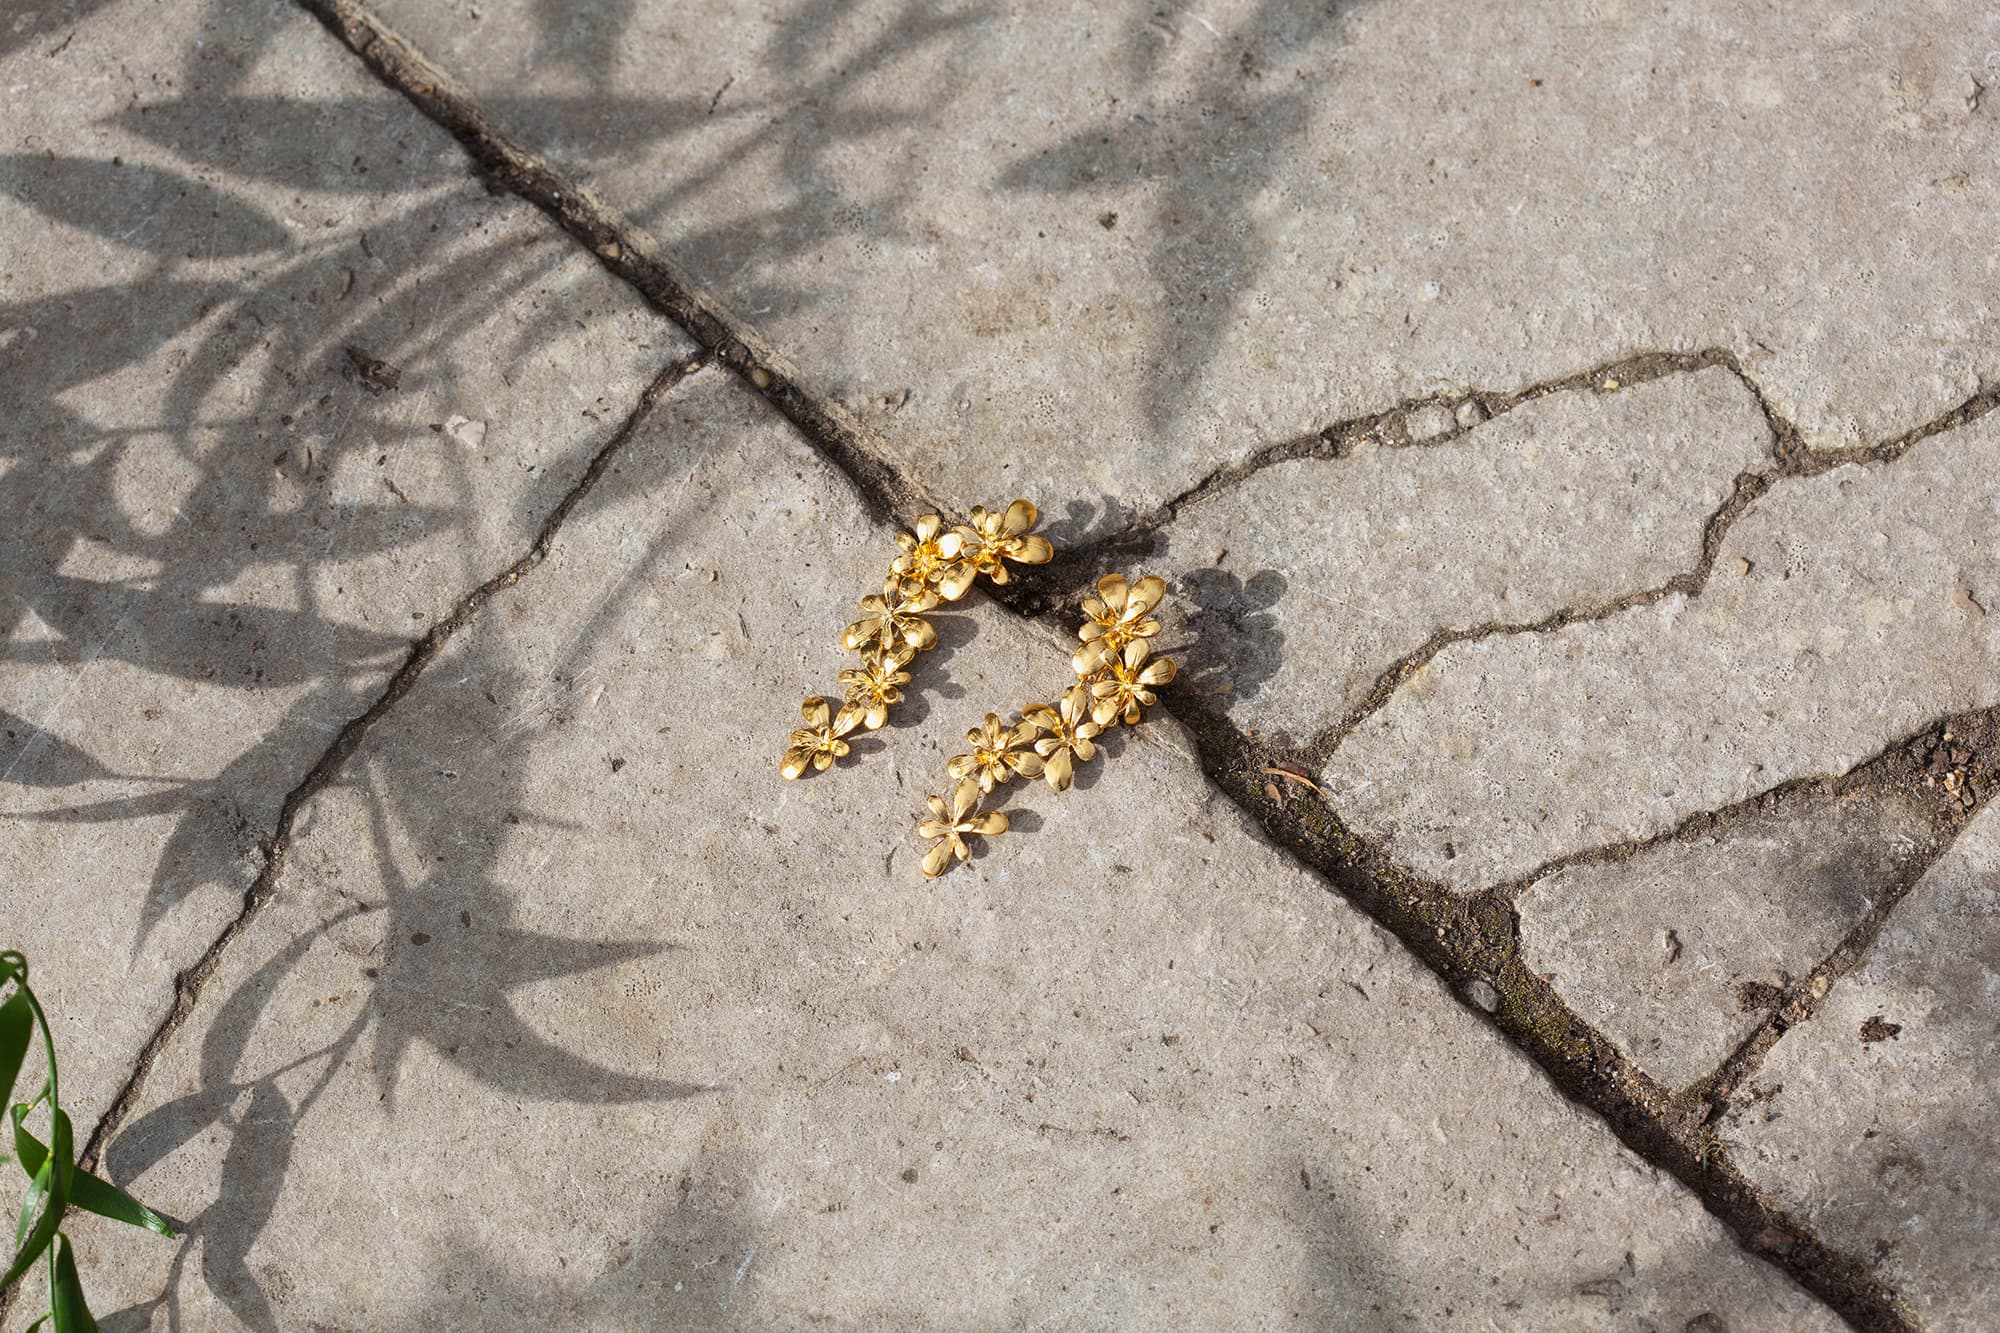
193, 540
1209, 147
425, 950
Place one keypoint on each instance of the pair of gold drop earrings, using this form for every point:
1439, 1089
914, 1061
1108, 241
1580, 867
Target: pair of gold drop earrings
1115, 672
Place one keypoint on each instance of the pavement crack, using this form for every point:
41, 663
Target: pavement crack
1472, 942
189, 984
1791, 462
1955, 762
506, 163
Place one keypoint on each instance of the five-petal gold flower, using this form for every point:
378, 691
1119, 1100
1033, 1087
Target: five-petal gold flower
950, 825
931, 557
999, 751
990, 539
874, 685
895, 617
818, 743
1124, 686
1068, 738
1115, 617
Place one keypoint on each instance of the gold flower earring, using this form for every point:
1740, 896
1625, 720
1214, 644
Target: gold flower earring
1116, 678
933, 565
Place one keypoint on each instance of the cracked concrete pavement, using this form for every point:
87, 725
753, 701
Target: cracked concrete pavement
1574, 469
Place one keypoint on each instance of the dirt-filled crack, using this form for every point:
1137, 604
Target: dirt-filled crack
188, 984
1462, 938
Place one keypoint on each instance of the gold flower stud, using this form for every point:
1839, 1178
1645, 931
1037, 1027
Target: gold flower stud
989, 540
949, 826
935, 563
818, 743
1068, 734
1116, 616
998, 753
877, 682
1118, 675
1123, 686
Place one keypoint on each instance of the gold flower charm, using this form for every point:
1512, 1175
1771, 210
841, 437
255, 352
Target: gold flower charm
895, 617
948, 827
1117, 615
1069, 739
933, 558
998, 753
1125, 683
872, 686
818, 743
988, 539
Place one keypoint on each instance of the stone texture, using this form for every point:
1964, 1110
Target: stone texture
568, 1011
222, 528
1655, 950
1332, 570
1876, 1119
1845, 611
1130, 245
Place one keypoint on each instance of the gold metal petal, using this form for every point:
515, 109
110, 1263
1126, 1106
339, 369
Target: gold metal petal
936, 804
933, 828
957, 580
1158, 671
822, 760
1020, 516
794, 762
1145, 595
1041, 717
1058, 770
990, 824
1104, 712
815, 711
1026, 764
1089, 659
938, 859
876, 716
963, 797
918, 632
1112, 589
850, 717
962, 766
1034, 551
861, 633
1084, 747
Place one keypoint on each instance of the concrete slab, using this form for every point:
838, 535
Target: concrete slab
280, 385
1672, 951
568, 1010
1312, 579
1128, 246
1876, 1119
1846, 611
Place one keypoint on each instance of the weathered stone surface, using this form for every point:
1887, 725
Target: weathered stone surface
569, 1011
1075, 251
1332, 570
1876, 1120
279, 384
1655, 951
1845, 611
